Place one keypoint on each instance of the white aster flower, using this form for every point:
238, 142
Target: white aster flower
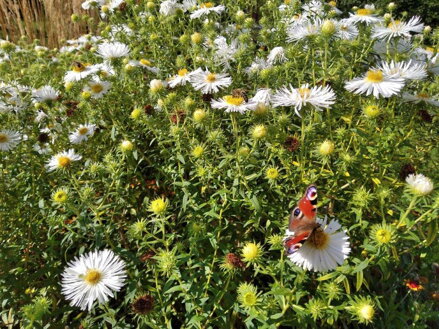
181, 78
319, 97
9, 139
146, 64
82, 133
44, 94
419, 98
207, 8
225, 52
88, 4
110, 50
103, 69
41, 115
308, 28
276, 56
392, 47
324, 251
79, 71
257, 65
232, 104
346, 30
313, 8
169, 7
97, 88
365, 15
93, 276
262, 96
62, 160
419, 184
398, 28
406, 70
208, 82
377, 83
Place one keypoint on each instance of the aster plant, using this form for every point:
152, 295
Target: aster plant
147, 172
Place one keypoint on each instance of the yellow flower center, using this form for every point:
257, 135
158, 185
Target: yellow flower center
366, 312
251, 252
93, 277
83, 130
97, 88
145, 62
304, 92
430, 49
332, 3
64, 161
272, 173
383, 236
233, 100
211, 77
394, 25
374, 76
206, 5
60, 196
78, 67
3, 138
249, 299
423, 95
182, 72
364, 12
320, 239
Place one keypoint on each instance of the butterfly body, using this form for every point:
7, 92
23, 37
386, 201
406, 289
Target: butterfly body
302, 221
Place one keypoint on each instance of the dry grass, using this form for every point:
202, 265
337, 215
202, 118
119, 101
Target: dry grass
47, 20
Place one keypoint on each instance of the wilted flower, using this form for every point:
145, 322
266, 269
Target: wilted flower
143, 304
413, 285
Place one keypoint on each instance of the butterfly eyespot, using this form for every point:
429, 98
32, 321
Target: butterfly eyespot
296, 212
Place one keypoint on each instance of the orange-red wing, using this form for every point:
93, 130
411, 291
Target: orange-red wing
297, 239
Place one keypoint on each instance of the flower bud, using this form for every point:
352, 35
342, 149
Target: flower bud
199, 115
126, 146
197, 38
326, 148
328, 28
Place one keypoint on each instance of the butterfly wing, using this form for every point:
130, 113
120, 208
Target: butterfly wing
302, 220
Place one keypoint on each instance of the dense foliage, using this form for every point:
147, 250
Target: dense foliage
196, 200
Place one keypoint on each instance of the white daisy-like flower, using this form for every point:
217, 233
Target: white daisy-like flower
299, 32
376, 82
93, 276
82, 133
365, 15
346, 30
79, 71
104, 69
325, 250
313, 8
146, 64
392, 47
110, 50
262, 96
181, 78
276, 56
62, 160
406, 70
9, 139
319, 97
88, 4
41, 148
207, 8
169, 7
420, 98
232, 104
41, 115
97, 88
44, 94
257, 65
225, 52
209, 83
398, 28
419, 184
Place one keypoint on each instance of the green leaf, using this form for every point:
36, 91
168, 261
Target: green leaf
359, 280
327, 276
